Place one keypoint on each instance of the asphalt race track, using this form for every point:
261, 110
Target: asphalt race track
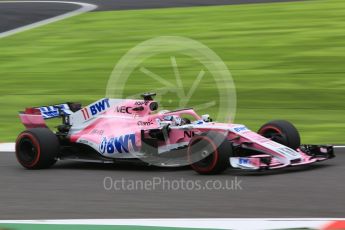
105, 5
13, 15
76, 190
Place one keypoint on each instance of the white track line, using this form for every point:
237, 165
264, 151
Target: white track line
208, 223
85, 7
7, 147
221, 223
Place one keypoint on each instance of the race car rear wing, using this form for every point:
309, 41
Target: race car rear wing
35, 117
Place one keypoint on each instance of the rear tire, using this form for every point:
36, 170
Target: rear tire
37, 148
217, 147
282, 132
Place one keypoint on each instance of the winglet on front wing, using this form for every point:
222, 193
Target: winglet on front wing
318, 151
309, 155
255, 162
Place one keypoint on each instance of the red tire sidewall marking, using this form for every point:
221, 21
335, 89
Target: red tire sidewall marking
262, 131
215, 155
35, 143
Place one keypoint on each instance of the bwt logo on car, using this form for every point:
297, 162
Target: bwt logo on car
240, 129
99, 106
50, 114
244, 161
96, 108
121, 144
52, 111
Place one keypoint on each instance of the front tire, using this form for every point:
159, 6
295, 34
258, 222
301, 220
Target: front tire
282, 132
217, 148
37, 148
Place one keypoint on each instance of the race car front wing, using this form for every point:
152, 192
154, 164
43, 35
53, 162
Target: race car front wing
309, 154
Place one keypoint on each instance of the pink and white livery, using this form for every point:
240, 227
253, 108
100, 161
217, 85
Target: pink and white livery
114, 130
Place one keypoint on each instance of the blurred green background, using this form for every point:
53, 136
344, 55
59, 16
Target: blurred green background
287, 61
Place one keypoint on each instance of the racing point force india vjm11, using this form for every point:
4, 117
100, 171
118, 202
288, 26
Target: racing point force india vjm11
112, 130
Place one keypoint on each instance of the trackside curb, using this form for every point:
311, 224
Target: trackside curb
7, 147
207, 223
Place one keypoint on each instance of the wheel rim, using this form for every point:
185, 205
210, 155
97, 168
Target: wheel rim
204, 145
274, 134
206, 162
28, 150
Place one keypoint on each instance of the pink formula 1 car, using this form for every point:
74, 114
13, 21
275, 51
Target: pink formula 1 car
112, 130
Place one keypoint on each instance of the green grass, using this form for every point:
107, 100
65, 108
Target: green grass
287, 61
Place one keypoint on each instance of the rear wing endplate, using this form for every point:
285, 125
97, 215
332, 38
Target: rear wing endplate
35, 117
